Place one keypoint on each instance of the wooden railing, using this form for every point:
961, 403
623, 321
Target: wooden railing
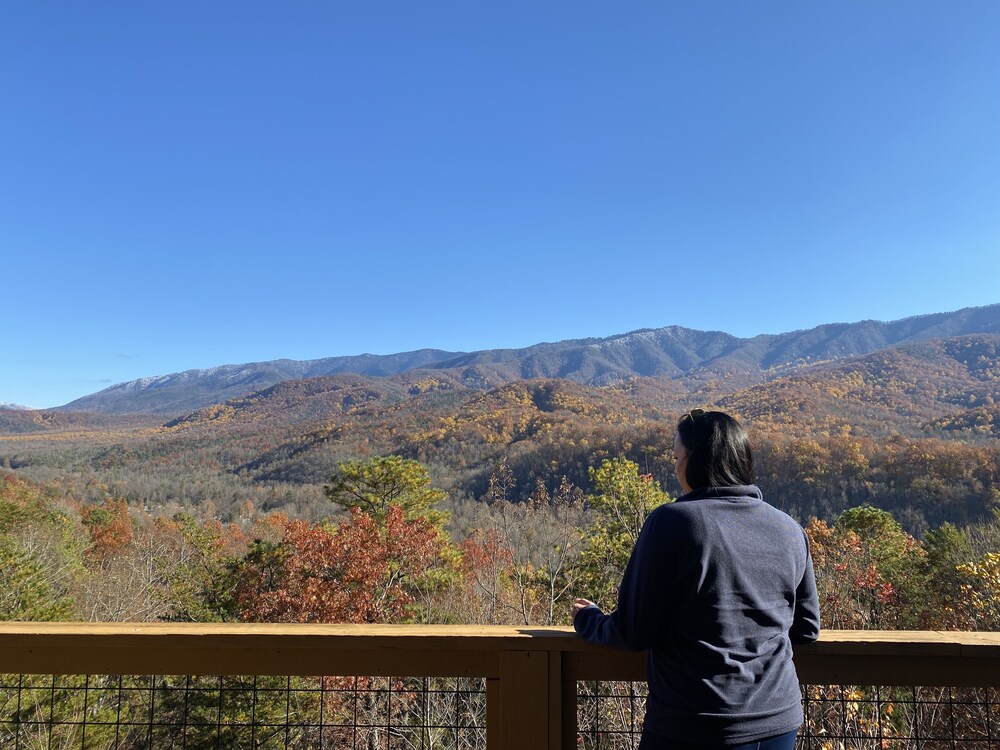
531, 674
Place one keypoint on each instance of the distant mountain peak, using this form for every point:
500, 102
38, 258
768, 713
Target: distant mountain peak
15, 407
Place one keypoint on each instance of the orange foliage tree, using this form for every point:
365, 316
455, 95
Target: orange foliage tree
361, 571
487, 577
110, 528
870, 573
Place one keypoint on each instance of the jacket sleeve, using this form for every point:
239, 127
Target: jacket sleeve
805, 622
642, 603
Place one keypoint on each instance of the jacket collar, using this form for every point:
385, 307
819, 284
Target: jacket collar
735, 492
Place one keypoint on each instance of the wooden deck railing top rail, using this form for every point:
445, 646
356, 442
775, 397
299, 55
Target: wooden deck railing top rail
432, 650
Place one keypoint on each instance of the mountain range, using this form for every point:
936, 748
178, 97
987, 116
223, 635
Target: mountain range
912, 426
709, 361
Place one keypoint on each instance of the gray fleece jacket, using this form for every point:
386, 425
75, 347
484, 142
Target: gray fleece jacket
719, 586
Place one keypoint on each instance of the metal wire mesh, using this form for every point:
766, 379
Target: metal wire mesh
386, 713
838, 717
609, 714
900, 718
265, 713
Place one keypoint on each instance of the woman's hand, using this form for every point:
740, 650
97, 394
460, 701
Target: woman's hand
579, 604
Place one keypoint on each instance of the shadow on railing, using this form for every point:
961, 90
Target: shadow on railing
162, 685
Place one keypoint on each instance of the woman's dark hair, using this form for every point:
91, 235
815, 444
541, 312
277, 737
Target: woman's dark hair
718, 450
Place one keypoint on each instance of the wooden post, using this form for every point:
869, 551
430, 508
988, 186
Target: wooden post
524, 700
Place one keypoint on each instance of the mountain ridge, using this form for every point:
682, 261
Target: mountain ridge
699, 358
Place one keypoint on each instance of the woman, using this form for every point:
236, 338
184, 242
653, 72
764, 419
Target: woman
719, 586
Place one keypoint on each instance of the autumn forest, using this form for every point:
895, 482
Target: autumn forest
432, 496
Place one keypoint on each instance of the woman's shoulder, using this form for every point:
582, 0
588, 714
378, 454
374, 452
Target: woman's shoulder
675, 516
743, 500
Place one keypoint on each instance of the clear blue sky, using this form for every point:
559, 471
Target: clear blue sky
186, 184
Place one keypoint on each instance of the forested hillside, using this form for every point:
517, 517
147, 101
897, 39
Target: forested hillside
910, 429
388, 549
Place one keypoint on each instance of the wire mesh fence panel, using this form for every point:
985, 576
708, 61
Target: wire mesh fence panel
900, 718
105, 712
837, 717
126, 712
609, 714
